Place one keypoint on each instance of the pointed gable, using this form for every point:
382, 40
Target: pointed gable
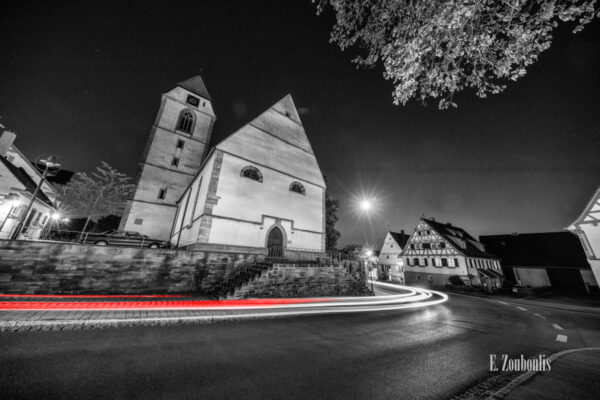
195, 85
591, 212
276, 139
282, 121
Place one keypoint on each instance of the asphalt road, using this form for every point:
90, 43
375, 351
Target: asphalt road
434, 353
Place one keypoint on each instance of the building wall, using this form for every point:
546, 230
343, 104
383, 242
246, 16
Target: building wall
54, 268
448, 271
12, 210
157, 172
534, 277
592, 239
588, 277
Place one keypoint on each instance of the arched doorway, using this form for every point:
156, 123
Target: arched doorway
275, 242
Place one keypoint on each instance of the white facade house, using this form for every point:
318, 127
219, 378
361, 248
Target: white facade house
391, 262
587, 229
261, 187
18, 180
436, 252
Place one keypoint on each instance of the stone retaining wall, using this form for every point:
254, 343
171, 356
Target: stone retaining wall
346, 278
28, 267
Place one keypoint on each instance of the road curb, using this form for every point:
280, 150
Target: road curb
503, 392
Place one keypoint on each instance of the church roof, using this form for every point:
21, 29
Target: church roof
195, 85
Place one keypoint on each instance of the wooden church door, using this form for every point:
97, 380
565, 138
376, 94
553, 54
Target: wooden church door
275, 243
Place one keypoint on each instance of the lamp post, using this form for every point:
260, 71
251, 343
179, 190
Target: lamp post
50, 167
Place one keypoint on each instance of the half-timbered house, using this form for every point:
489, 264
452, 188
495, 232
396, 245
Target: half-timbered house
437, 254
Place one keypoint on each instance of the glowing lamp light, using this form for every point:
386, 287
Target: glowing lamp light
365, 205
56, 216
369, 253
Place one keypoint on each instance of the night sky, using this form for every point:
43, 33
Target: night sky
83, 80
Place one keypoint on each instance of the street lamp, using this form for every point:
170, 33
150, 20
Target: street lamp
50, 167
365, 205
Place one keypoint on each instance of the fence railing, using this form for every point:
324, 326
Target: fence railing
102, 239
273, 254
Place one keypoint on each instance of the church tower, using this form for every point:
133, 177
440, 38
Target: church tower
176, 147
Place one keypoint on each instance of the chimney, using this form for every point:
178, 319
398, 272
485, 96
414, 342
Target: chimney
6, 140
402, 231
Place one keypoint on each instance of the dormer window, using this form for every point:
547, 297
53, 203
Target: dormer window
251, 172
186, 121
297, 187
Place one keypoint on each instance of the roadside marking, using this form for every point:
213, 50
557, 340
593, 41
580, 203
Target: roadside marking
561, 338
557, 327
541, 316
521, 308
502, 302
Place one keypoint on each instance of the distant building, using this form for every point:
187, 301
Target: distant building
587, 229
391, 263
261, 187
550, 259
18, 180
438, 253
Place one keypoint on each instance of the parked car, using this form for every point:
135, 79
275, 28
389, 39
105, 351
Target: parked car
523, 290
122, 238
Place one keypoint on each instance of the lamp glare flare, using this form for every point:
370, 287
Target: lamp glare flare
365, 205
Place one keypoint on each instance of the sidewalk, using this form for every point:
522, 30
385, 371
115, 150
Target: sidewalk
574, 375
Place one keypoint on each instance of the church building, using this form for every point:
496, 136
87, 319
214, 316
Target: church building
261, 187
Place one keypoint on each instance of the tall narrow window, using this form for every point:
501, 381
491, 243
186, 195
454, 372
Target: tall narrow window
162, 193
175, 162
180, 144
186, 121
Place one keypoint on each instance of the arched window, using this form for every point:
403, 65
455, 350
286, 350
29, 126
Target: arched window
251, 172
297, 187
186, 121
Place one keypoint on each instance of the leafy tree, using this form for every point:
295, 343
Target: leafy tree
432, 49
107, 223
331, 234
352, 249
103, 192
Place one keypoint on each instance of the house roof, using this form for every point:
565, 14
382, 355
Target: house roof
26, 180
400, 238
195, 85
455, 234
62, 177
548, 249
